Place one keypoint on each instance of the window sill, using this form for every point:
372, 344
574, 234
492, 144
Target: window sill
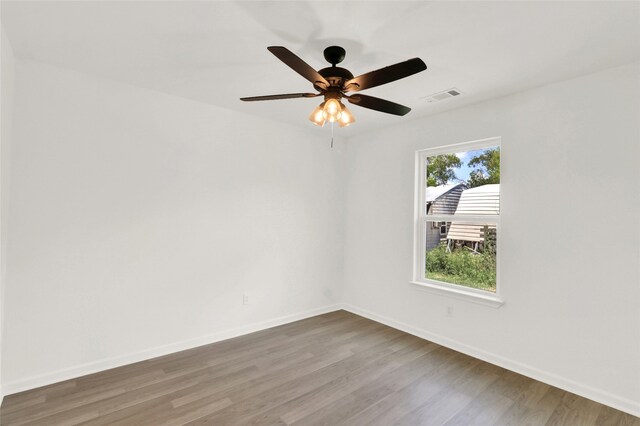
459, 293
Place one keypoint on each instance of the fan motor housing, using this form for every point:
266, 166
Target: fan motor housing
336, 76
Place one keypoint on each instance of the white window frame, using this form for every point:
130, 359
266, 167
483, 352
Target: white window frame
420, 226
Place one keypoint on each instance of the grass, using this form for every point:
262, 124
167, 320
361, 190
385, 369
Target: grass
460, 280
462, 267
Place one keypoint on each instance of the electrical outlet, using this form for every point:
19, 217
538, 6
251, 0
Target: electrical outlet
449, 311
245, 299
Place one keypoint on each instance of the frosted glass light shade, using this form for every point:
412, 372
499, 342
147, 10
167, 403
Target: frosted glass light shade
317, 116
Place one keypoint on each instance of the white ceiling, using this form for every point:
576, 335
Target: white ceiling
215, 52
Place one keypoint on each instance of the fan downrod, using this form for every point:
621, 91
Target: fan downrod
334, 54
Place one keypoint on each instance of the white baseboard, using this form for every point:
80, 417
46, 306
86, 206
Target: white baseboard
106, 364
602, 397
606, 398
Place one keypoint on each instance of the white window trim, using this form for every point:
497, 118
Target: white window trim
420, 222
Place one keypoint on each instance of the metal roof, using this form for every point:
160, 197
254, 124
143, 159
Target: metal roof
480, 200
434, 192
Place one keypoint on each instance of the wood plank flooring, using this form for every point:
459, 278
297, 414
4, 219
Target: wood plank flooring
333, 369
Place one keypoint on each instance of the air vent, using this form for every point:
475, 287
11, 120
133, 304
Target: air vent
445, 94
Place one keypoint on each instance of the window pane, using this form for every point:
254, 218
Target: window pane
463, 183
466, 255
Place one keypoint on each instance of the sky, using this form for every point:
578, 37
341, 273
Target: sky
462, 173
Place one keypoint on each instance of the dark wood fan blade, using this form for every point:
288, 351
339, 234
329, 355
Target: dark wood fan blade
285, 96
298, 65
385, 75
378, 104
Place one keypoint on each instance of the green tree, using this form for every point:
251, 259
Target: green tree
486, 168
440, 169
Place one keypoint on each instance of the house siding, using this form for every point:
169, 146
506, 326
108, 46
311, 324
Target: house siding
445, 204
482, 200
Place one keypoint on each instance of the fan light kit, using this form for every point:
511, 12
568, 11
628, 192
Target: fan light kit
331, 110
334, 82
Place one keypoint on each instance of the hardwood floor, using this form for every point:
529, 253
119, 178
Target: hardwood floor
332, 369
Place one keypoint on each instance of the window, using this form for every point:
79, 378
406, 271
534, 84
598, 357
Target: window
458, 218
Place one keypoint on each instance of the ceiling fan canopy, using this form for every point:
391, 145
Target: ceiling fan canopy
335, 82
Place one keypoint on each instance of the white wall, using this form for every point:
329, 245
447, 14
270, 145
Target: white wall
138, 220
570, 233
6, 110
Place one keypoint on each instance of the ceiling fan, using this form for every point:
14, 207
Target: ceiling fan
335, 82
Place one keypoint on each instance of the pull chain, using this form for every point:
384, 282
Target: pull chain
332, 134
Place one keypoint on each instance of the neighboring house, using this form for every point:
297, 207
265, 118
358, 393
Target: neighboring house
478, 201
441, 199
